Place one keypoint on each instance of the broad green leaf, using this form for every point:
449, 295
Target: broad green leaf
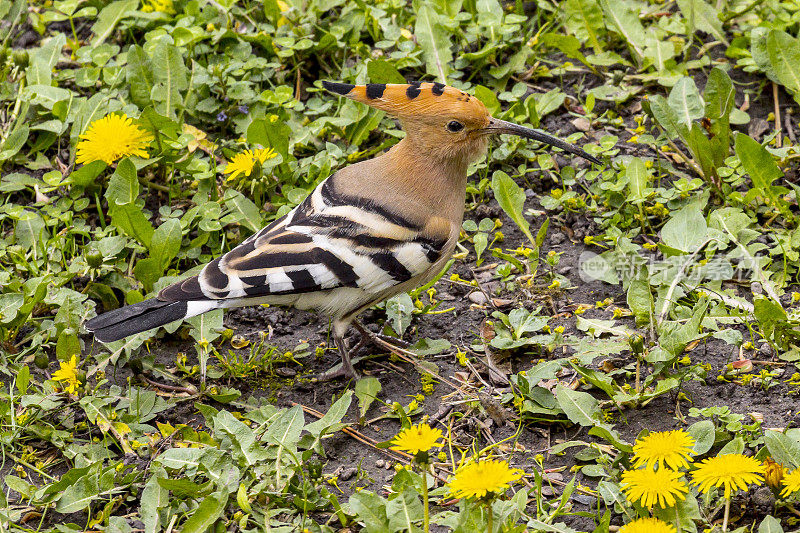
109, 17
370, 510
209, 510
719, 94
130, 220
166, 242
43, 59
622, 20
640, 301
270, 134
247, 213
784, 56
367, 390
139, 76
685, 100
30, 230
667, 117
332, 419
770, 524
686, 230
584, 19
123, 187
206, 326
703, 433
170, 77
638, 180
511, 198
434, 40
702, 16
178, 458
783, 449
758, 162
14, 142
381, 71
10, 303
398, 312
404, 510
580, 407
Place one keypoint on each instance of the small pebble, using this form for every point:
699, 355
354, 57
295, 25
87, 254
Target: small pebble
380, 463
477, 297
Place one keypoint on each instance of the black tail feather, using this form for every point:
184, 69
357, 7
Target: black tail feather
132, 319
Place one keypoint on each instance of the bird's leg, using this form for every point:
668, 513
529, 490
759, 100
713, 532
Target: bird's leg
367, 335
346, 370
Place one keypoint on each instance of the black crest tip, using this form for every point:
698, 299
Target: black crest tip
338, 88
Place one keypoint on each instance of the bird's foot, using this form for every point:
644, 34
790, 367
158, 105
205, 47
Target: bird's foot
341, 370
369, 337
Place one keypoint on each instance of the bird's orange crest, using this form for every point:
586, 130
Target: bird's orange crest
414, 100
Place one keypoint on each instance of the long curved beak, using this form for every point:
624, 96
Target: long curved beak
501, 126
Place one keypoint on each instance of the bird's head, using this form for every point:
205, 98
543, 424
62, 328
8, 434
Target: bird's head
441, 120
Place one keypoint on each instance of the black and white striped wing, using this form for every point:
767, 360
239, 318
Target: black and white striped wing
327, 242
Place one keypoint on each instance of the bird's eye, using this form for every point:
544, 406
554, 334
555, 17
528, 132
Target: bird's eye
454, 126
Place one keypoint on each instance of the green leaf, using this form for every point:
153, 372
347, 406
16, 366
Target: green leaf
14, 142
246, 212
638, 180
381, 71
209, 510
580, 407
123, 187
269, 134
109, 17
584, 19
404, 510
10, 303
719, 94
783, 449
703, 433
621, 19
139, 76
784, 56
131, 221
30, 230
86, 175
685, 100
511, 198
43, 59
370, 510
398, 312
640, 301
331, 421
367, 390
434, 40
686, 230
667, 117
166, 242
170, 77
757, 161
770, 524
702, 16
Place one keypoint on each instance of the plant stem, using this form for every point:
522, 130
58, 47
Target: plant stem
426, 517
489, 528
638, 373
727, 514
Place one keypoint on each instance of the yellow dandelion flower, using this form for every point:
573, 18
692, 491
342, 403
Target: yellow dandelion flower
164, 6
773, 473
420, 438
732, 471
479, 478
67, 373
662, 487
670, 448
647, 525
245, 162
791, 483
111, 138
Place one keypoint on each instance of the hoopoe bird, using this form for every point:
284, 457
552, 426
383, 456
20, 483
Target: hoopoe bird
369, 231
